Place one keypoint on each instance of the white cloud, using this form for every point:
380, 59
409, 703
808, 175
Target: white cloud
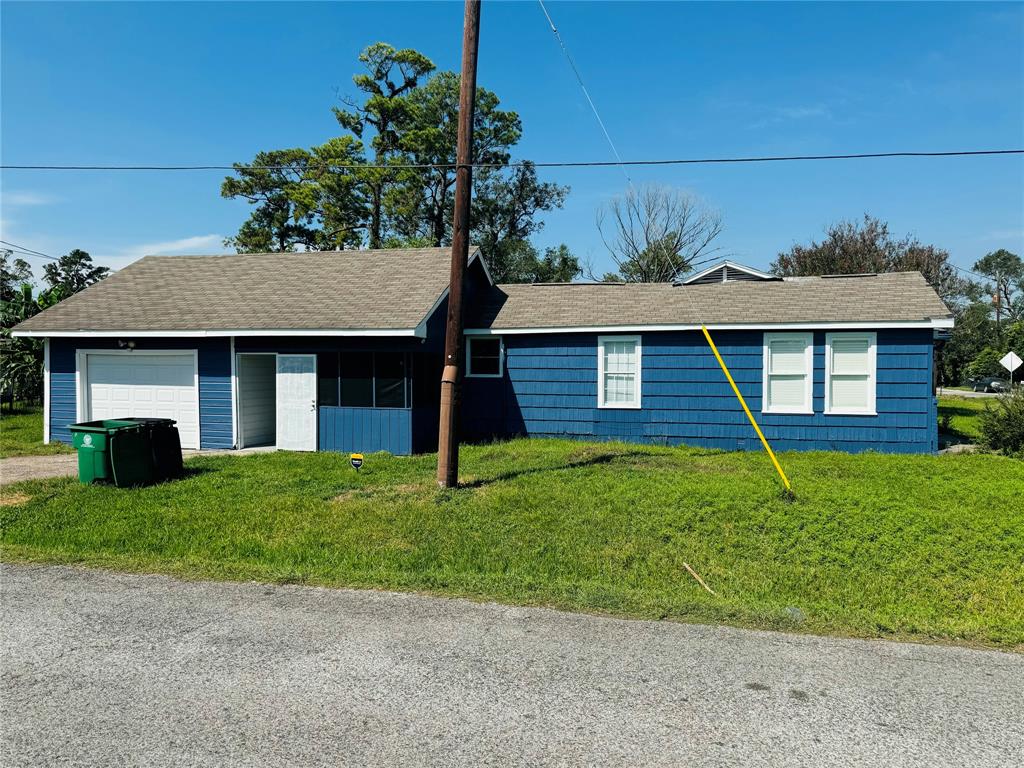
186, 245
779, 115
1004, 234
25, 197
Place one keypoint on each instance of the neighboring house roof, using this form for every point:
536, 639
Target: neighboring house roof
897, 298
387, 292
725, 271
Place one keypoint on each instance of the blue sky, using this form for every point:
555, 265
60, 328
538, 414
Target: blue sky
214, 83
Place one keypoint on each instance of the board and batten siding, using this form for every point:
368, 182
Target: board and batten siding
214, 384
550, 389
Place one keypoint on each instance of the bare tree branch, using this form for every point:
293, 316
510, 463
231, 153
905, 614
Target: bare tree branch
653, 234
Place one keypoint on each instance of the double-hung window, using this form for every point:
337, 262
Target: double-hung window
484, 356
618, 371
788, 373
850, 365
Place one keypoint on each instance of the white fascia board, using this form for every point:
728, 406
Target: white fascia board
219, 333
477, 255
421, 329
942, 322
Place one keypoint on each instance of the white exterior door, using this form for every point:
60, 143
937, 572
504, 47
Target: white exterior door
142, 384
296, 402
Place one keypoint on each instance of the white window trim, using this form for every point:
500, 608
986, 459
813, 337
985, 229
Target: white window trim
871, 409
808, 405
635, 405
469, 361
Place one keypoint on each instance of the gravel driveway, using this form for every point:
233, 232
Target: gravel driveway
115, 669
19, 468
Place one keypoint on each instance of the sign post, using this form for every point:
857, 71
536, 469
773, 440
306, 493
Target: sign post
1011, 362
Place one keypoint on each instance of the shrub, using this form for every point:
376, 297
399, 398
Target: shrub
1002, 423
986, 364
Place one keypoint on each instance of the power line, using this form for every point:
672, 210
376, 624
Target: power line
583, 87
28, 251
567, 164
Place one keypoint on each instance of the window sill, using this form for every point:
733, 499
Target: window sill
778, 412
484, 375
851, 413
619, 407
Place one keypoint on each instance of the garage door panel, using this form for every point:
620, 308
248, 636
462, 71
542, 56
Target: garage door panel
141, 385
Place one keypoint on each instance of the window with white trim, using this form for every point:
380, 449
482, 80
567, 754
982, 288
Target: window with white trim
788, 373
484, 356
850, 373
618, 371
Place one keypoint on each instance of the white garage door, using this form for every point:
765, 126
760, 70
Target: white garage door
137, 384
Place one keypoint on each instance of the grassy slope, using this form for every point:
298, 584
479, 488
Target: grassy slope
21, 434
918, 546
963, 412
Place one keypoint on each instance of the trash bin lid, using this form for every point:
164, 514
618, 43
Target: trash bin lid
108, 426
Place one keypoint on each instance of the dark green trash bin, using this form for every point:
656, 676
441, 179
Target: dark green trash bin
94, 441
165, 448
127, 452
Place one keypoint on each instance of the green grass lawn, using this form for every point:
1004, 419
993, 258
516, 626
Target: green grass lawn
21, 434
915, 546
963, 413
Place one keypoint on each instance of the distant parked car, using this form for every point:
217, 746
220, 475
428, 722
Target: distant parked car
991, 384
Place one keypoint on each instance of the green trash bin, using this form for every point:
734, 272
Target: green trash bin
94, 441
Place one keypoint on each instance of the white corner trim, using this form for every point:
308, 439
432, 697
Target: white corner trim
872, 382
469, 361
807, 409
46, 391
635, 405
939, 322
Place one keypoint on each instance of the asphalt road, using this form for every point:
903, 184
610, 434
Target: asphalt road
113, 669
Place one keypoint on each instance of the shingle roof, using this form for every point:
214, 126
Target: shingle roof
891, 297
385, 290
394, 290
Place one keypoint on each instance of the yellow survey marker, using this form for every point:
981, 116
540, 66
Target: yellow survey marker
760, 434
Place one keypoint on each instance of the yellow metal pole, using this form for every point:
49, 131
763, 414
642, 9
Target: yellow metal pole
760, 434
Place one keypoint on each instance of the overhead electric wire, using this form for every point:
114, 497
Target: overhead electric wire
28, 251
519, 164
583, 87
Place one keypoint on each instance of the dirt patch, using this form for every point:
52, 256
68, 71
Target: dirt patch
13, 499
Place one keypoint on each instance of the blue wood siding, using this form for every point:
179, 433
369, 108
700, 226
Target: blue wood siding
550, 389
366, 430
215, 430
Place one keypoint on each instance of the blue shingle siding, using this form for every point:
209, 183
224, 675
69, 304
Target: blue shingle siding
215, 429
550, 389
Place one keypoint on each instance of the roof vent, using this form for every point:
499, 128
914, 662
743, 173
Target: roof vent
852, 274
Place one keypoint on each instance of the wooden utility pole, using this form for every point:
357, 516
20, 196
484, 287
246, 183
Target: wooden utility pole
448, 437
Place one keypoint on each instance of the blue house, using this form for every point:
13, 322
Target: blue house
343, 350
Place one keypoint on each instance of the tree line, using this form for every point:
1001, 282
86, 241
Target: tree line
358, 190
987, 301
21, 360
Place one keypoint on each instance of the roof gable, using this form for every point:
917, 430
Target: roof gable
727, 271
374, 292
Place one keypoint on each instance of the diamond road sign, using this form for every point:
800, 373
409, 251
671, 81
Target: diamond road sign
1011, 362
